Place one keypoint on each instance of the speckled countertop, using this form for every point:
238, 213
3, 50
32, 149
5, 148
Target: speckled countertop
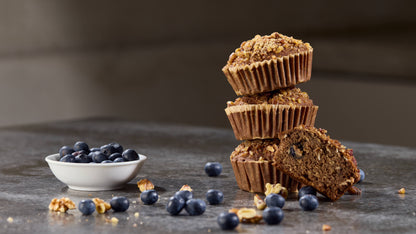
177, 155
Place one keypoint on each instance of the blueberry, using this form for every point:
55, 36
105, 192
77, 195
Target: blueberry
68, 158
149, 197
214, 197
275, 200
362, 176
98, 157
184, 194
107, 161
86, 207
273, 215
117, 147
64, 150
117, 160
195, 207
130, 155
108, 150
306, 190
114, 156
213, 168
119, 204
228, 221
76, 153
308, 202
175, 205
79, 145
95, 149
82, 158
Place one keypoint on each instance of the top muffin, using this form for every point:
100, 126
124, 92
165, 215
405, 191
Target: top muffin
262, 48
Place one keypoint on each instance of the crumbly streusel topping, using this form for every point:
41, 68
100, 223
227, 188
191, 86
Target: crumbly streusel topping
268, 47
256, 150
290, 96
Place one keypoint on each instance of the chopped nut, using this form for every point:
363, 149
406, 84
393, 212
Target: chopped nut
248, 215
10, 220
354, 190
326, 227
145, 184
114, 220
276, 188
61, 205
186, 187
259, 203
101, 206
402, 191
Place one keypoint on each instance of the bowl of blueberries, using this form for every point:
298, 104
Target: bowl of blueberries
108, 167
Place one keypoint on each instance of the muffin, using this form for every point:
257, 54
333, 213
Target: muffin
310, 156
268, 63
263, 116
253, 166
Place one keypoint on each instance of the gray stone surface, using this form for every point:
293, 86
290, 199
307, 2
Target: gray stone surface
177, 155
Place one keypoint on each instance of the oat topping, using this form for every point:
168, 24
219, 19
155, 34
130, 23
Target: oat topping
268, 47
290, 96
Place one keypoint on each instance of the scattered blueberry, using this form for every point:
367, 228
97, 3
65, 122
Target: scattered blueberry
213, 168
68, 158
175, 205
214, 197
275, 200
98, 157
195, 207
80, 145
65, 150
86, 207
114, 156
362, 176
117, 160
108, 150
130, 155
308, 202
95, 149
184, 194
228, 221
119, 204
306, 190
107, 161
82, 158
149, 197
273, 215
117, 147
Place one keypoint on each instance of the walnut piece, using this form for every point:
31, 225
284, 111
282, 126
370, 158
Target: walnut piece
61, 205
145, 184
248, 215
186, 187
259, 203
402, 191
101, 206
276, 188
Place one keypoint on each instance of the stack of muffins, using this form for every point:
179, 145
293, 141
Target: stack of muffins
265, 70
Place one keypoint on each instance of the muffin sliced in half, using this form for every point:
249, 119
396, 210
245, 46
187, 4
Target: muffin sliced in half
268, 63
264, 116
310, 156
252, 166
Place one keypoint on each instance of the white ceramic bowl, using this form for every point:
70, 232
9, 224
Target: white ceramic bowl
94, 177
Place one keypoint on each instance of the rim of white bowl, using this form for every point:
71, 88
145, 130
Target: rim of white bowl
53, 160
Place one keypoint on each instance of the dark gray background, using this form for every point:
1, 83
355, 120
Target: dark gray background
162, 60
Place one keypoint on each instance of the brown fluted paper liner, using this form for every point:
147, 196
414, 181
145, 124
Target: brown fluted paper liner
266, 121
270, 75
252, 176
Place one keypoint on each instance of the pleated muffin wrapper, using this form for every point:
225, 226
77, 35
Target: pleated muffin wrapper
252, 176
265, 121
270, 75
